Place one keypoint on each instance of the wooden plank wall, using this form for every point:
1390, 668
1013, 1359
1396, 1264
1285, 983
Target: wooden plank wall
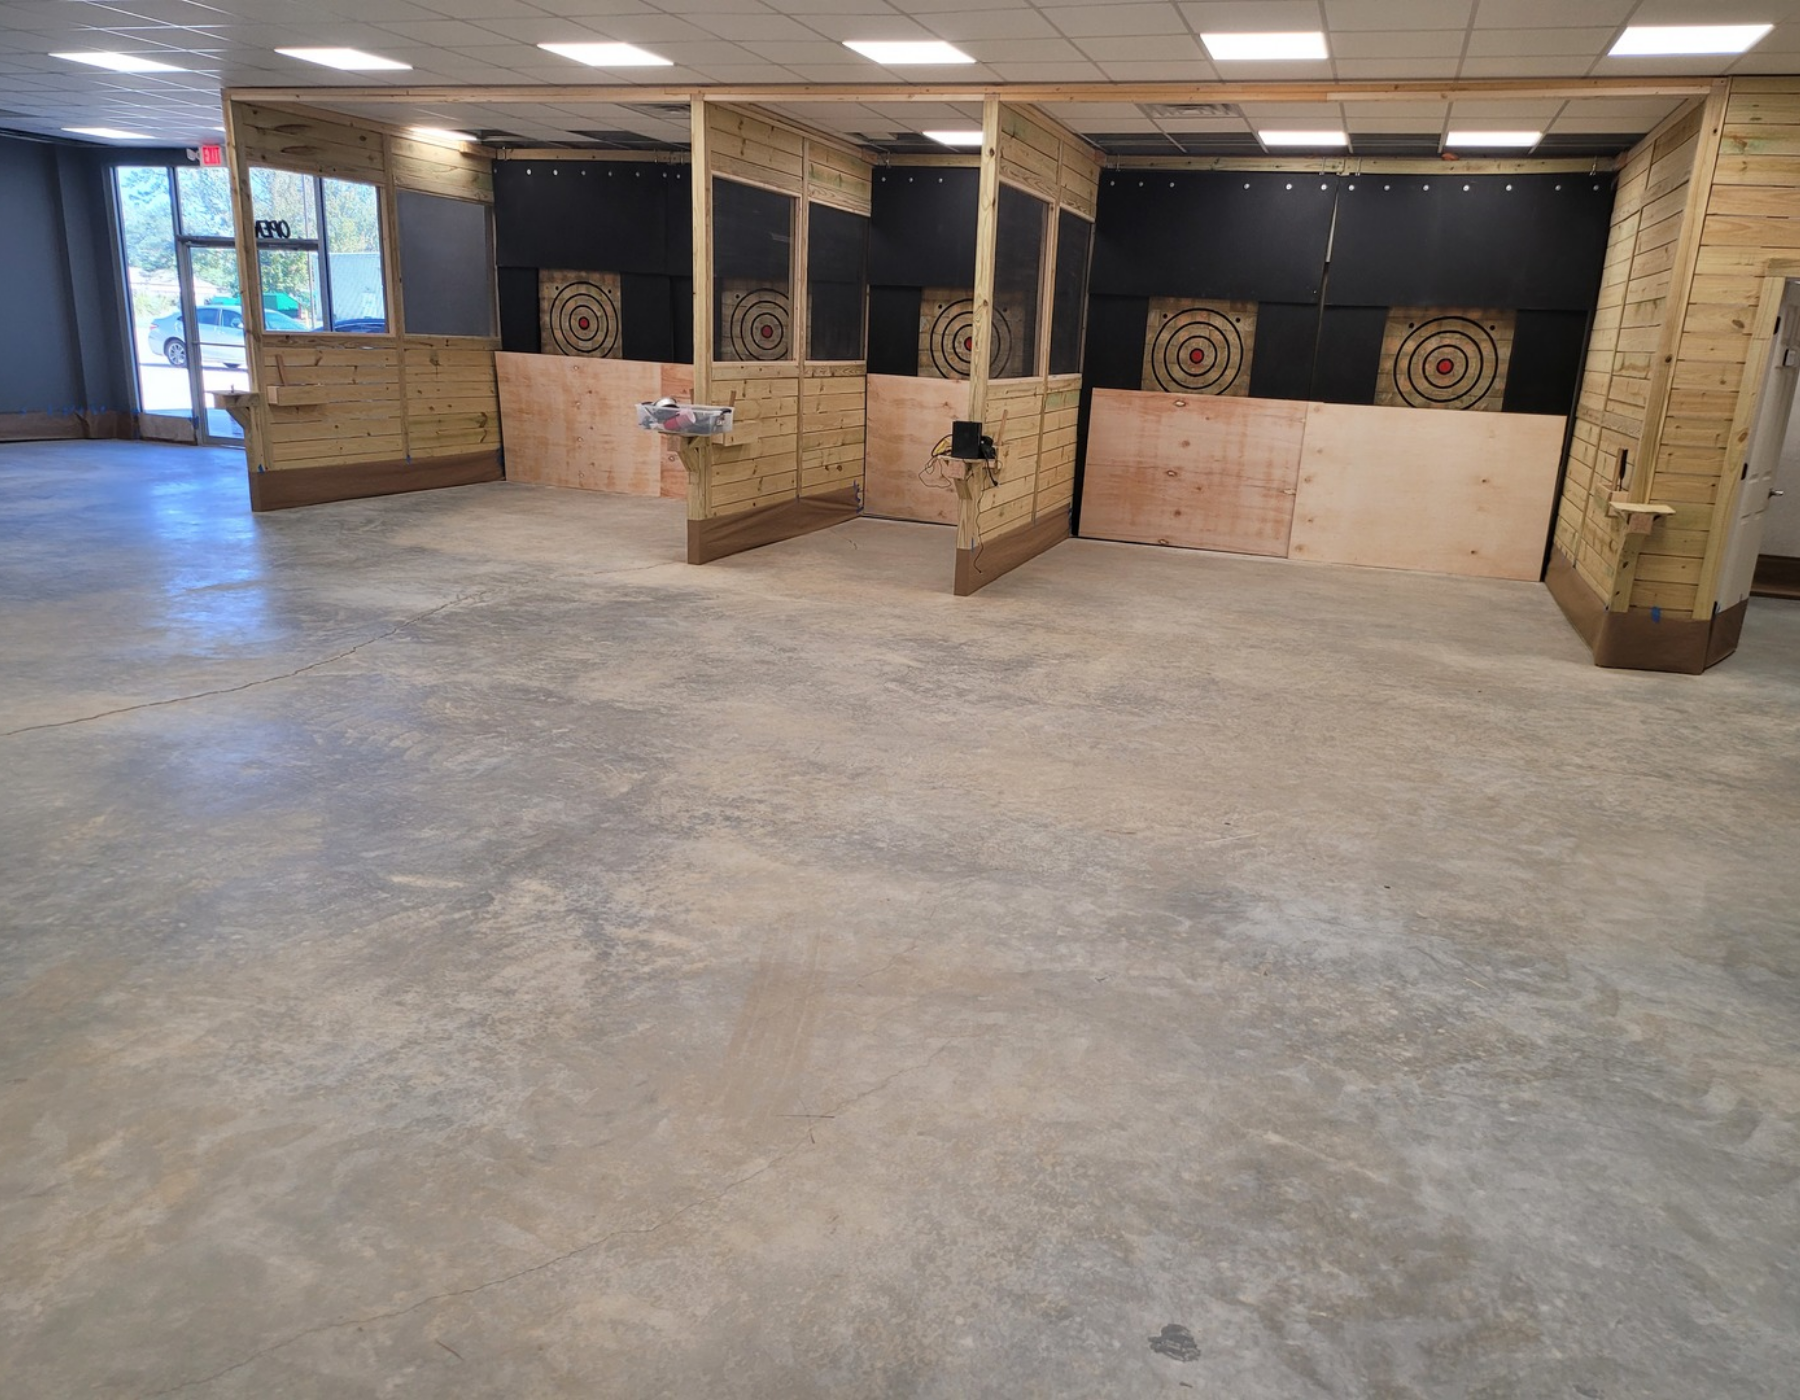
402, 405
1648, 214
571, 421
800, 428
1397, 488
1032, 418
1706, 210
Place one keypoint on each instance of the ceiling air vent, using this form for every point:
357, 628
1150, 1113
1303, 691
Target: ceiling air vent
1188, 111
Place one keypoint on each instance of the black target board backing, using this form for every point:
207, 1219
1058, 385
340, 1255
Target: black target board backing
1210, 235
1535, 241
630, 216
922, 227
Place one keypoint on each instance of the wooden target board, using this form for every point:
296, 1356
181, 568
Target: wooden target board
1199, 347
755, 323
947, 336
578, 314
1445, 357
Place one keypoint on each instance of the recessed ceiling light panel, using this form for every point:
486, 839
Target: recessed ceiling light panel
609, 55
106, 133
1671, 40
349, 60
441, 135
1493, 140
1304, 138
1270, 48
119, 62
898, 53
967, 137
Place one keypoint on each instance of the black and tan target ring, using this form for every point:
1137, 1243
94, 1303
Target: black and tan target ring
1197, 351
953, 340
759, 325
583, 320
1446, 362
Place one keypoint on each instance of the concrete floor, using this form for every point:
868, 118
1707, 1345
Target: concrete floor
454, 949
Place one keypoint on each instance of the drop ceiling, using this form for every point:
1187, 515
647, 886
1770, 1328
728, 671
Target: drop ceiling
735, 43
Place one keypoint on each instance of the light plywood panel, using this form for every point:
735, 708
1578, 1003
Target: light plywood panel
1450, 493
572, 421
907, 417
1207, 472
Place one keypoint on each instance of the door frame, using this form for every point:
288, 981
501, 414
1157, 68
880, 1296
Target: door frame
1776, 275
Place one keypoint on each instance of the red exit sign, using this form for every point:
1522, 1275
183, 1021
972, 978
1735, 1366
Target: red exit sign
212, 155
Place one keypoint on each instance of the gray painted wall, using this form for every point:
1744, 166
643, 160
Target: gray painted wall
64, 347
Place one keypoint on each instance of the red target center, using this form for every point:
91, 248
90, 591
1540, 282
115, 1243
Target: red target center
1445, 366
1197, 356
766, 332
968, 342
583, 322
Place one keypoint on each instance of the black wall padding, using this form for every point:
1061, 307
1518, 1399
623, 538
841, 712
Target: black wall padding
894, 330
1115, 342
1217, 236
1509, 241
519, 328
647, 314
1281, 362
1545, 370
1349, 359
922, 229
594, 216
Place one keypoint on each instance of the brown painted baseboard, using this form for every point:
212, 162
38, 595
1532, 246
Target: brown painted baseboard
1777, 576
725, 535
313, 486
56, 427
1641, 639
977, 568
164, 427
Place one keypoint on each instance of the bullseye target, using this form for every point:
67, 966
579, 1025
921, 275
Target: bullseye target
1446, 359
756, 325
578, 314
1198, 347
950, 340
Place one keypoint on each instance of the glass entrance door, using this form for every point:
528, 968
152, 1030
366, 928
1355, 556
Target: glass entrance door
154, 286
215, 350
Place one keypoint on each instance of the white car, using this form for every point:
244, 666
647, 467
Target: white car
221, 334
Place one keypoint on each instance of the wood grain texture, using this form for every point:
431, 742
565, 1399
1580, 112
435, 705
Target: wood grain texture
1201, 473
571, 421
907, 417
1451, 493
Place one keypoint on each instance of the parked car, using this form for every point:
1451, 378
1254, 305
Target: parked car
221, 334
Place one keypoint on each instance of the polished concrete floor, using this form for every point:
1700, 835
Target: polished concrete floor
453, 949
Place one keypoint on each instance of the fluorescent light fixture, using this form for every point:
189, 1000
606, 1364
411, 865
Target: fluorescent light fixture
1665, 40
350, 60
119, 62
1304, 138
107, 133
1493, 140
969, 137
609, 55
1277, 48
442, 135
897, 53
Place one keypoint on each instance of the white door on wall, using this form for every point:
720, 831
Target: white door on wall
1763, 459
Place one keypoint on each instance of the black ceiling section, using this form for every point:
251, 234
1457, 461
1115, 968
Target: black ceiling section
1229, 236
1471, 241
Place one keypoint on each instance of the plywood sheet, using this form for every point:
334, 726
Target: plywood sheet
1451, 493
1207, 472
572, 421
907, 417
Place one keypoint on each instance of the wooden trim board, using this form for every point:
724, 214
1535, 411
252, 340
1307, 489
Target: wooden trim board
312, 486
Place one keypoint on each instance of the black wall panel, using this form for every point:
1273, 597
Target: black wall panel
1281, 363
922, 228
1545, 370
1223, 236
1349, 358
1512, 241
519, 328
894, 330
594, 216
1115, 342
647, 315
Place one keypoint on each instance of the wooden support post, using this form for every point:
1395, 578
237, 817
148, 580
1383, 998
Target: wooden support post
699, 460
250, 302
987, 220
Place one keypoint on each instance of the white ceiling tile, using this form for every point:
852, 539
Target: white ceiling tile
1254, 16
1554, 14
1168, 49
1395, 69
1159, 71
1494, 110
1384, 43
1532, 43
1398, 14
1545, 66
1079, 20
1048, 72
1293, 113
960, 26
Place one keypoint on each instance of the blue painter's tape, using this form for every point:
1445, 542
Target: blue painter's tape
1656, 614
